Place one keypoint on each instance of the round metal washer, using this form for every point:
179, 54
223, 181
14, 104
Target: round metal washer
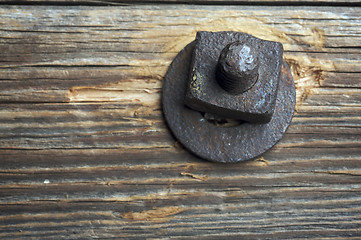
222, 144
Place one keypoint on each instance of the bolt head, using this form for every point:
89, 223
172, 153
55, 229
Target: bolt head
237, 69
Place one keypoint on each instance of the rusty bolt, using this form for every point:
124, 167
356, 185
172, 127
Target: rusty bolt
234, 75
195, 105
237, 68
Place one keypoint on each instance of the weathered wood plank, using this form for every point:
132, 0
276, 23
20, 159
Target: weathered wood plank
85, 152
55, 55
222, 2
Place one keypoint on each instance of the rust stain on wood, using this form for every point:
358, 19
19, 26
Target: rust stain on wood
155, 215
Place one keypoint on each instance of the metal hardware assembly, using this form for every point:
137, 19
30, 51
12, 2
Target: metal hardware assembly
229, 96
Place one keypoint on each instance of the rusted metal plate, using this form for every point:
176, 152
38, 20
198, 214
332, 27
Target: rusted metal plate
204, 94
237, 143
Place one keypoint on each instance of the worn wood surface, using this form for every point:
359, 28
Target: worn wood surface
85, 152
206, 2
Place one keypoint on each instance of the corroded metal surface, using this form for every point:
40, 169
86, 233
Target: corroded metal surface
204, 94
216, 143
237, 68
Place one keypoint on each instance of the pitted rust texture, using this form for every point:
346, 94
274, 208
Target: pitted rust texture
255, 103
222, 144
237, 68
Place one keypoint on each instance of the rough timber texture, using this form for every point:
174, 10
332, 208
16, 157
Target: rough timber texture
85, 152
208, 2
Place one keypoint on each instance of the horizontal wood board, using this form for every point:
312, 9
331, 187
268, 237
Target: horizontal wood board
85, 152
193, 2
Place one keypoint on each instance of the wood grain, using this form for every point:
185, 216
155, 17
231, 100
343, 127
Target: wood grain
85, 152
206, 2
